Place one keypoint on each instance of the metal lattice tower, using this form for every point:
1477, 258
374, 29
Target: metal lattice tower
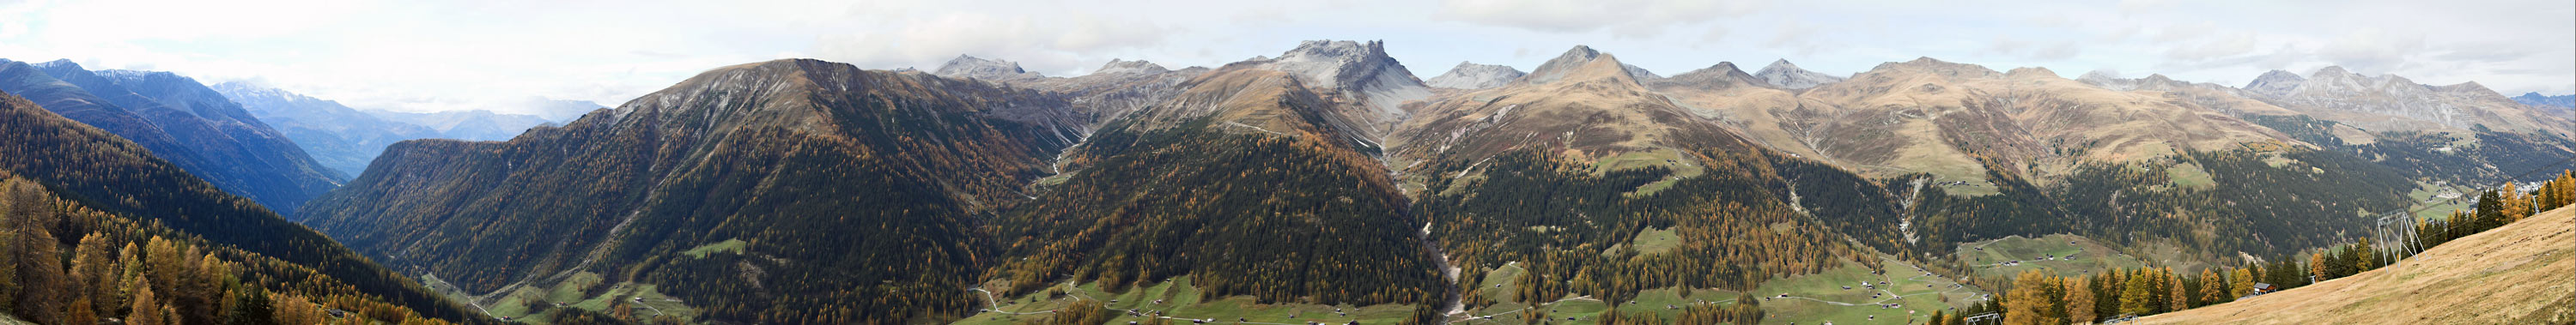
2394, 236
1993, 318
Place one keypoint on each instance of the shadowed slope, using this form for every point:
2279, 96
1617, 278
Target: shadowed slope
1242, 182
852, 188
104, 172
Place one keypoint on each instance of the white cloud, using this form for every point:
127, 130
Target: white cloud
2223, 46
2185, 32
493, 54
1624, 18
2057, 51
2372, 49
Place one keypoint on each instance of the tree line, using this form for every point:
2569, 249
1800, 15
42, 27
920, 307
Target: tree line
2040, 297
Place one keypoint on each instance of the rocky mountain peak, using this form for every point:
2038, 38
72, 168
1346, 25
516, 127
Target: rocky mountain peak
1721, 75
1936, 66
1565, 65
2160, 79
1117, 66
1469, 75
1780, 64
2468, 87
2098, 75
2392, 102
2275, 82
2332, 72
1639, 72
2112, 81
2027, 72
967, 66
1783, 74
2559, 105
1728, 67
1335, 64
1358, 70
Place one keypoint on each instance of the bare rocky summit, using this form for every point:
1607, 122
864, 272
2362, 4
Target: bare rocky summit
1787, 75
965, 66
1469, 75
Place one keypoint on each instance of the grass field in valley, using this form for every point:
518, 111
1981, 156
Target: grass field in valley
1180, 301
2067, 255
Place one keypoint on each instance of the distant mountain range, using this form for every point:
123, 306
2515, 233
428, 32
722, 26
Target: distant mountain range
183, 122
74, 194
2560, 104
1234, 177
341, 138
347, 139
1331, 177
477, 125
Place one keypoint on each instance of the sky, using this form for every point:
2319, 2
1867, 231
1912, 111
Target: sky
502, 55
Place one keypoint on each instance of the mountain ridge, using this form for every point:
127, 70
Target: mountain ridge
97, 169
337, 136
1469, 75
772, 153
210, 136
1788, 75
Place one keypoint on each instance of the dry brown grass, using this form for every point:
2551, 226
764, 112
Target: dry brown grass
2519, 274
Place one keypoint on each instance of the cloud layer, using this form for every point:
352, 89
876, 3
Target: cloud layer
485, 54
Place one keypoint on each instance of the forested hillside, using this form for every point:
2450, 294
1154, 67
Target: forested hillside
72, 184
790, 191
247, 157
1241, 184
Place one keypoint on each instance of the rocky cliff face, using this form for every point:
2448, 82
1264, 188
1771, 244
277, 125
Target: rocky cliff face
1371, 86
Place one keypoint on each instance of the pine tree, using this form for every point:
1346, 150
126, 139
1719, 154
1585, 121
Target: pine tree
80, 312
2138, 298
9, 286
2213, 288
252, 306
94, 269
2180, 299
2516, 205
293, 309
2490, 212
2028, 301
2106, 293
2241, 282
146, 309
2079, 301
34, 262
2318, 269
132, 276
